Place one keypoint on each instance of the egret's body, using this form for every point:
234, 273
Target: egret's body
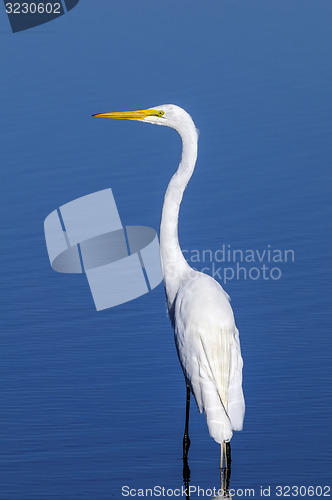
208, 346
206, 337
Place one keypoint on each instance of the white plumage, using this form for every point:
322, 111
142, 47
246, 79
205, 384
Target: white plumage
207, 341
206, 337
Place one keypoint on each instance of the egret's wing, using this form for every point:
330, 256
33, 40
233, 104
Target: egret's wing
209, 352
214, 376
216, 360
223, 363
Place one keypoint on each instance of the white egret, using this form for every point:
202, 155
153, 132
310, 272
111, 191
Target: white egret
206, 336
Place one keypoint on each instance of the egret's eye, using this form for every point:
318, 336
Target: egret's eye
161, 113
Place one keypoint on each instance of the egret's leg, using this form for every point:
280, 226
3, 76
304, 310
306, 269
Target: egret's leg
221, 466
186, 440
186, 444
228, 454
228, 461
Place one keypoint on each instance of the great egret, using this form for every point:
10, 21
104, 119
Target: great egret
206, 336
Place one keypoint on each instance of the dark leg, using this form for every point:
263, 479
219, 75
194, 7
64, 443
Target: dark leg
228, 461
186, 440
186, 445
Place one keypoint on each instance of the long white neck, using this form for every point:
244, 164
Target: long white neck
174, 266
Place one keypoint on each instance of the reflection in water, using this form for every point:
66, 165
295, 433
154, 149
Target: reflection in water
225, 475
186, 476
225, 472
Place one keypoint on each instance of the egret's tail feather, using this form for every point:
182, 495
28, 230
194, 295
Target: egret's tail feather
236, 405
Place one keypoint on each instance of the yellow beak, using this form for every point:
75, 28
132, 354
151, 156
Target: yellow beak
131, 115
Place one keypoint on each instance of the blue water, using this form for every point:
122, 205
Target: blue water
95, 401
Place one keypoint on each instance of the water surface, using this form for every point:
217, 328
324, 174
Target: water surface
95, 401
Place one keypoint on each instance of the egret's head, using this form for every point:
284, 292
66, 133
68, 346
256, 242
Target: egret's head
168, 115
